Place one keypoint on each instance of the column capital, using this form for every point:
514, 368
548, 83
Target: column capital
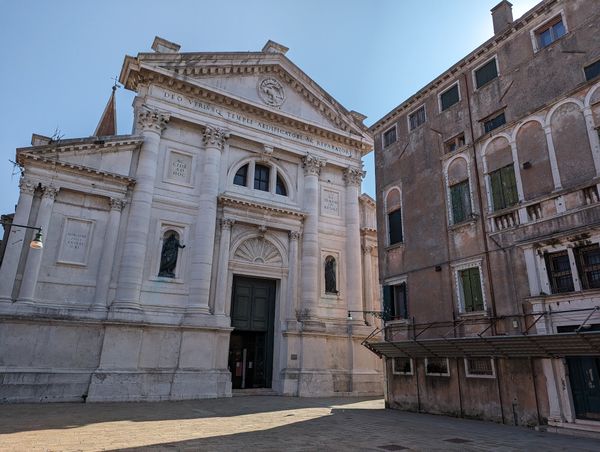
26, 186
353, 175
312, 165
50, 192
215, 137
367, 249
294, 235
152, 120
227, 223
117, 204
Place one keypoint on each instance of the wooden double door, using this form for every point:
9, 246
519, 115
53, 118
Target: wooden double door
251, 342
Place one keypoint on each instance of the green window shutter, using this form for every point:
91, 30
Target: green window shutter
458, 214
509, 185
388, 302
466, 199
476, 293
466, 289
497, 194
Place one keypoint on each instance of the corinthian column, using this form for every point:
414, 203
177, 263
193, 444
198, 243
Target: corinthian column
310, 243
222, 271
34, 257
204, 236
108, 254
290, 312
353, 178
16, 239
151, 124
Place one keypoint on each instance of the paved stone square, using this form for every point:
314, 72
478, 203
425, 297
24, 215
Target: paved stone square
260, 423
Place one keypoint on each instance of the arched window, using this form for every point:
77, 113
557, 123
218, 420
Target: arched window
169, 254
280, 187
394, 217
330, 275
261, 177
241, 175
459, 190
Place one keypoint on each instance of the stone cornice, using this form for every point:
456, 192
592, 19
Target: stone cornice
479, 54
237, 202
22, 157
115, 143
180, 76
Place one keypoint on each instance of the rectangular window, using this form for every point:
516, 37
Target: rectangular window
588, 264
559, 272
449, 97
395, 302
437, 367
460, 196
389, 137
592, 71
416, 118
395, 227
403, 366
455, 143
550, 32
504, 187
486, 73
480, 367
472, 295
494, 122
261, 178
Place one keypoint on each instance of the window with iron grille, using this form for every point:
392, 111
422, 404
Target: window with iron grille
437, 367
470, 286
240, 176
559, 272
592, 71
402, 366
480, 367
588, 264
395, 302
389, 137
455, 143
494, 122
486, 73
261, 177
504, 187
460, 197
449, 97
550, 32
417, 118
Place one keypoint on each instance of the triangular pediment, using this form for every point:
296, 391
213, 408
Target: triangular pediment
266, 80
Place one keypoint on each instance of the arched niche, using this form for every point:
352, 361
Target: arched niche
498, 154
534, 160
571, 145
393, 200
458, 171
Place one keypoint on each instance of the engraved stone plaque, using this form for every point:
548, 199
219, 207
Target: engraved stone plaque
180, 167
76, 238
330, 203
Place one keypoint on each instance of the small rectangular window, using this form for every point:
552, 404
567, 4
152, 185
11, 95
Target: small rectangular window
504, 188
437, 367
261, 178
559, 272
480, 367
417, 118
395, 303
455, 143
588, 263
460, 196
550, 32
449, 97
389, 137
472, 294
494, 122
592, 71
402, 366
395, 227
486, 73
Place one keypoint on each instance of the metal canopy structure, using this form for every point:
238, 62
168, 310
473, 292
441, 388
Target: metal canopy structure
521, 346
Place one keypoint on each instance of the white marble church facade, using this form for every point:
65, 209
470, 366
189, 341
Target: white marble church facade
221, 244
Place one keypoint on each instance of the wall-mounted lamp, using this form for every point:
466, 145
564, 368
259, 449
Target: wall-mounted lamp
36, 243
377, 314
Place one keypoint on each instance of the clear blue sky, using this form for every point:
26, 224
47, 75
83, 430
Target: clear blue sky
59, 56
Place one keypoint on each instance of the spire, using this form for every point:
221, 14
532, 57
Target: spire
108, 122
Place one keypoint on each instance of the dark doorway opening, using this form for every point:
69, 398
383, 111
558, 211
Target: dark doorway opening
251, 343
584, 374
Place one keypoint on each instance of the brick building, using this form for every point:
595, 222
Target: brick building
487, 195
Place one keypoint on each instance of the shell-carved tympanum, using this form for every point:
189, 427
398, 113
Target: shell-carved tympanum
258, 251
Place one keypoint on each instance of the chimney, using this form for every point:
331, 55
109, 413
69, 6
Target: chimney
502, 16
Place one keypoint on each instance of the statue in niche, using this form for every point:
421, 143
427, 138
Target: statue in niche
169, 254
330, 277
